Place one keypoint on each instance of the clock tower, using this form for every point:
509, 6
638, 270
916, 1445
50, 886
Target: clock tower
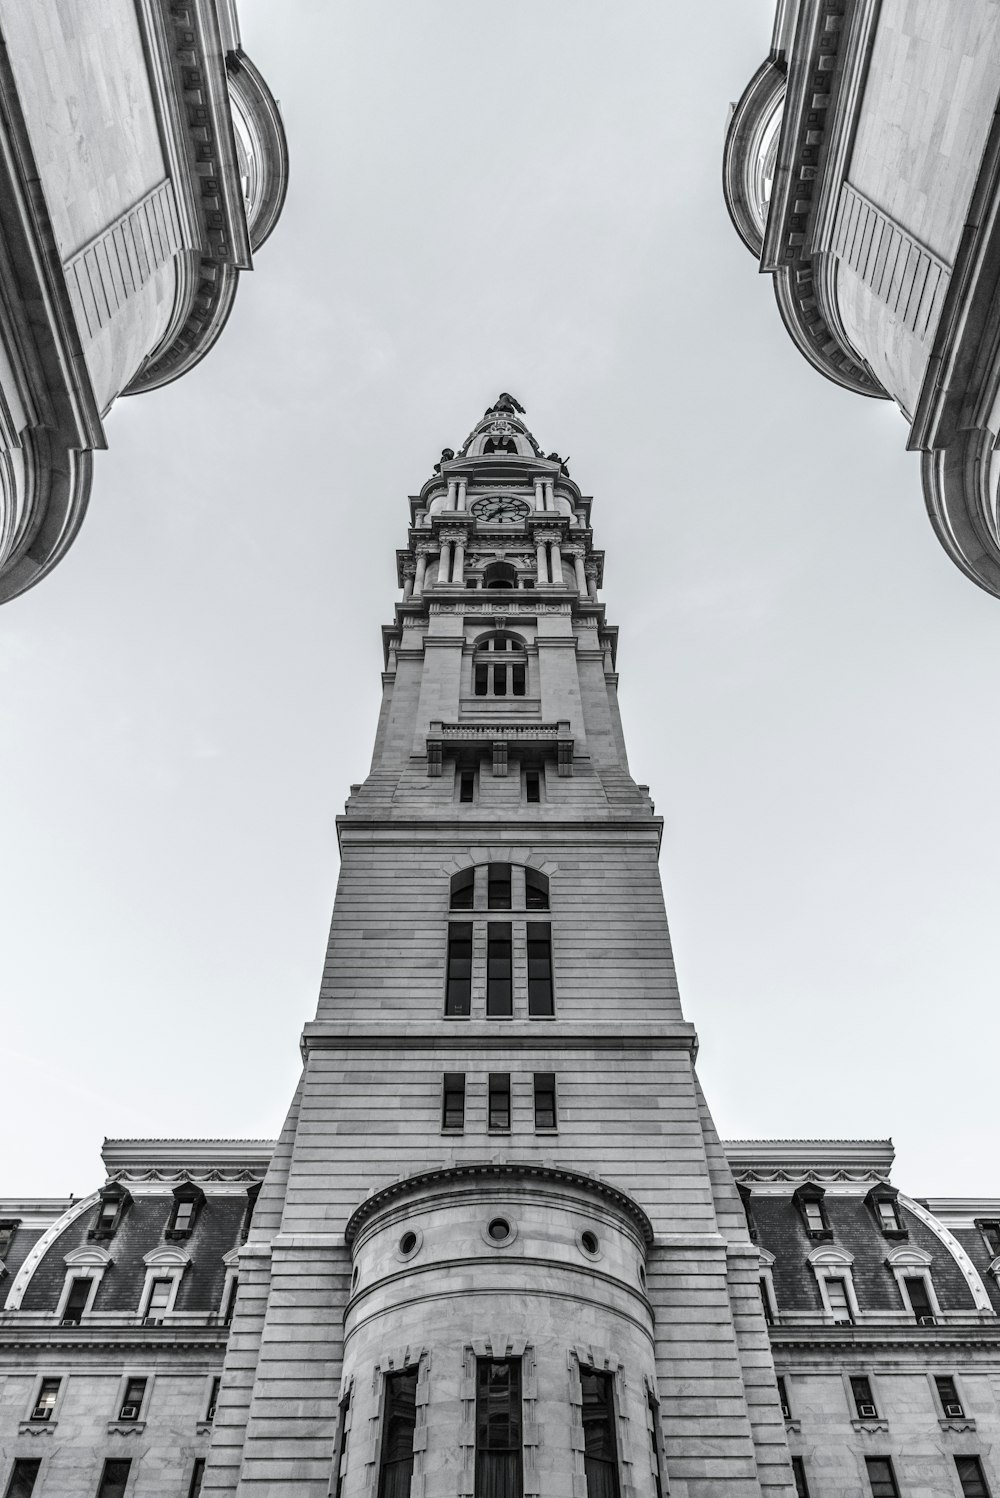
499, 1251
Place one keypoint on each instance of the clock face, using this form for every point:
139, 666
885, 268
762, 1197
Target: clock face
499, 510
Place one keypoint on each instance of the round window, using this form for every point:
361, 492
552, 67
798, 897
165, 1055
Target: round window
588, 1243
407, 1243
499, 1229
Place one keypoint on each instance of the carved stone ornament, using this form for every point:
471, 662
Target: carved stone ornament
591, 566
452, 534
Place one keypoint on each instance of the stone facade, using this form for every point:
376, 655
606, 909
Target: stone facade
862, 169
142, 161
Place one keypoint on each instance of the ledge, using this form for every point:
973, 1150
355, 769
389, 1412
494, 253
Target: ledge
500, 734
501, 1035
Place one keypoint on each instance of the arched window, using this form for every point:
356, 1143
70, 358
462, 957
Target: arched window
536, 890
500, 575
463, 887
500, 445
500, 667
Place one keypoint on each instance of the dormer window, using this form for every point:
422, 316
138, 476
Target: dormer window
882, 1201
500, 667
114, 1203
188, 1201
8, 1227
809, 1200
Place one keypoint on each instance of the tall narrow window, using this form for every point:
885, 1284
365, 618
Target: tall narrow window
499, 1109
654, 1442
23, 1477
498, 887
46, 1401
458, 994
188, 1200
970, 1475
340, 1454
991, 1236
213, 1399
159, 1297
76, 1302
919, 1298
836, 1294
197, 1477
888, 1215
545, 1100
499, 970
600, 1449
532, 787
536, 890
453, 1101
814, 1216
864, 1399
786, 1408
114, 1478
131, 1405
8, 1227
540, 1000
881, 1477
399, 1419
799, 1473
467, 787
229, 1309
499, 1463
518, 679
765, 1300
463, 889
948, 1395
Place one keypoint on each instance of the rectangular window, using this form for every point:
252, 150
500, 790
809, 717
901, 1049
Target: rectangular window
499, 970
213, 1399
536, 890
482, 681
836, 1294
229, 1309
654, 1441
184, 1211
76, 1302
340, 1455
7, 1230
467, 787
399, 1420
887, 1216
499, 681
864, 1399
135, 1393
799, 1474
540, 1000
499, 1468
458, 993
498, 887
786, 1408
106, 1218
920, 1301
197, 1477
518, 677
453, 1100
23, 1477
970, 1475
545, 1100
46, 1401
815, 1221
114, 1478
991, 1236
499, 1111
532, 787
948, 1395
765, 1300
471, 583
881, 1477
600, 1449
159, 1297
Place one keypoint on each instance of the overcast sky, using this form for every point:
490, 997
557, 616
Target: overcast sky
522, 197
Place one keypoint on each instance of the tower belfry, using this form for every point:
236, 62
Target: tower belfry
499, 1251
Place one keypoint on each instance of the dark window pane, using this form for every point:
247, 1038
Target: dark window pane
498, 887
948, 1395
229, 1310
339, 1462
864, 1399
453, 1106
765, 1299
654, 1441
799, 1473
600, 1449
79, 1294
540, 1000
213, 1399
498, 1429
499, 681
470, 582
970, 1475
517, 678
467, 786
532, 786
197, 1476
545, 1100
499, 1113
399, 1420
916, 1289
7, 1230
991, 1233
499, 970
22, 1478
536, 890
463, 889
482, 681
881, 1477
131, 1405
46, 1401
113, 1478
458, 995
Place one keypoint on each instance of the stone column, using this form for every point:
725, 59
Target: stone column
550, 498
444, 563
581, 577
539, 495
590, 568
462, 487
543, 568
458, 565
418, 581
409, 569
557, 573
452, 494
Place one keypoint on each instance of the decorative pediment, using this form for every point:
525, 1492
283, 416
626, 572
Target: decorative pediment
767, 1259
232, 1258
166, 1257
829, 1257
88, 1257
909, 1257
